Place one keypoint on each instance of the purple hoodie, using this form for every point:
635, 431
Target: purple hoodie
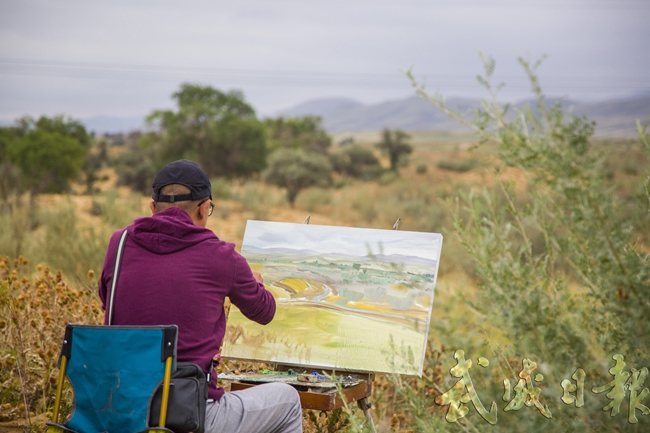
177, 273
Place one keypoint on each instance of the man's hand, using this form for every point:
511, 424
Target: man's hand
258, 277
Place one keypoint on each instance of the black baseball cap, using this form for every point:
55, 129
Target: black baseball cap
182, 172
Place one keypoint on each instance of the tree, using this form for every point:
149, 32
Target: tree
218, 129
296, 170
393, 144
64, 126
356, 161
95, 160
304, 133
138, 166
48, 152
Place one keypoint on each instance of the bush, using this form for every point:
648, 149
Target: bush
356, 161
257, 198
394, 145
560, 279
366, 205
421, 168
314, 197
137, 167
387, 177
221, 188
295, 170
459, 165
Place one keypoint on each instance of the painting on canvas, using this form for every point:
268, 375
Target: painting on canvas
347, 298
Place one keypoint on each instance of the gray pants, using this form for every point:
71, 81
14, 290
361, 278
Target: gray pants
268, 408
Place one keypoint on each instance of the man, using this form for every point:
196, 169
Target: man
176, 271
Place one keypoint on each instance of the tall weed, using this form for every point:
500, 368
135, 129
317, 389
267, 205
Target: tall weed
69, 246
19, 217
35, 305
116, 211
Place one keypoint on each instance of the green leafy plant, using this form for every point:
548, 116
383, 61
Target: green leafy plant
219, 130
394, 145
561, 278
299, 133
295, 170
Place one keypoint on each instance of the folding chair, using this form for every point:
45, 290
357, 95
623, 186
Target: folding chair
114, 371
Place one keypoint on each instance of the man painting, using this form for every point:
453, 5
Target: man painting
176, 271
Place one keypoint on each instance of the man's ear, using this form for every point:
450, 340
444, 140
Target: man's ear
202, 211
152, 206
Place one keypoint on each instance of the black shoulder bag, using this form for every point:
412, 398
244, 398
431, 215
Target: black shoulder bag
188, 391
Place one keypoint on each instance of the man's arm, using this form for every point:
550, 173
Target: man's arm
258, 277
249, 295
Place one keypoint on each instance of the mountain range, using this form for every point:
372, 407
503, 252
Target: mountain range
614, 117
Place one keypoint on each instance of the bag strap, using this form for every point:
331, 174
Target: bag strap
116, 274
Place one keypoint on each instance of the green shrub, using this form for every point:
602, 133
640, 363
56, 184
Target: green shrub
257, 198
387, 177
366, 206
221, 188
314, 197
421, 168
137, 167
295, 170
356, 161
561, 280
459, 165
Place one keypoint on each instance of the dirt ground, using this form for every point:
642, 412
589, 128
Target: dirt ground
18, 426
10, 427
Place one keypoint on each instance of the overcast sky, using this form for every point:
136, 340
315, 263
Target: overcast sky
125, 58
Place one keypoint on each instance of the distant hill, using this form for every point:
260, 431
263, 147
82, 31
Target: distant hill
618, 117
614, 118
412, 113
321, 107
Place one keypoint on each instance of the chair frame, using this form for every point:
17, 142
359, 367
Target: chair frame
54, 427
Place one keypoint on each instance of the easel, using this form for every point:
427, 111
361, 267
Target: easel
317, 395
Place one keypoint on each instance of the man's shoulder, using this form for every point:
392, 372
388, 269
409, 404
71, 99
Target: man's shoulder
218, 245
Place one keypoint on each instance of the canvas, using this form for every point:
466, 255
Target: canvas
347, 298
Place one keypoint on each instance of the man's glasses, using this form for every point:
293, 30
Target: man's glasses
211, 206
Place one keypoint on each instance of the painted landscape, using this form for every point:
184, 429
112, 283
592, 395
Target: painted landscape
347, 298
